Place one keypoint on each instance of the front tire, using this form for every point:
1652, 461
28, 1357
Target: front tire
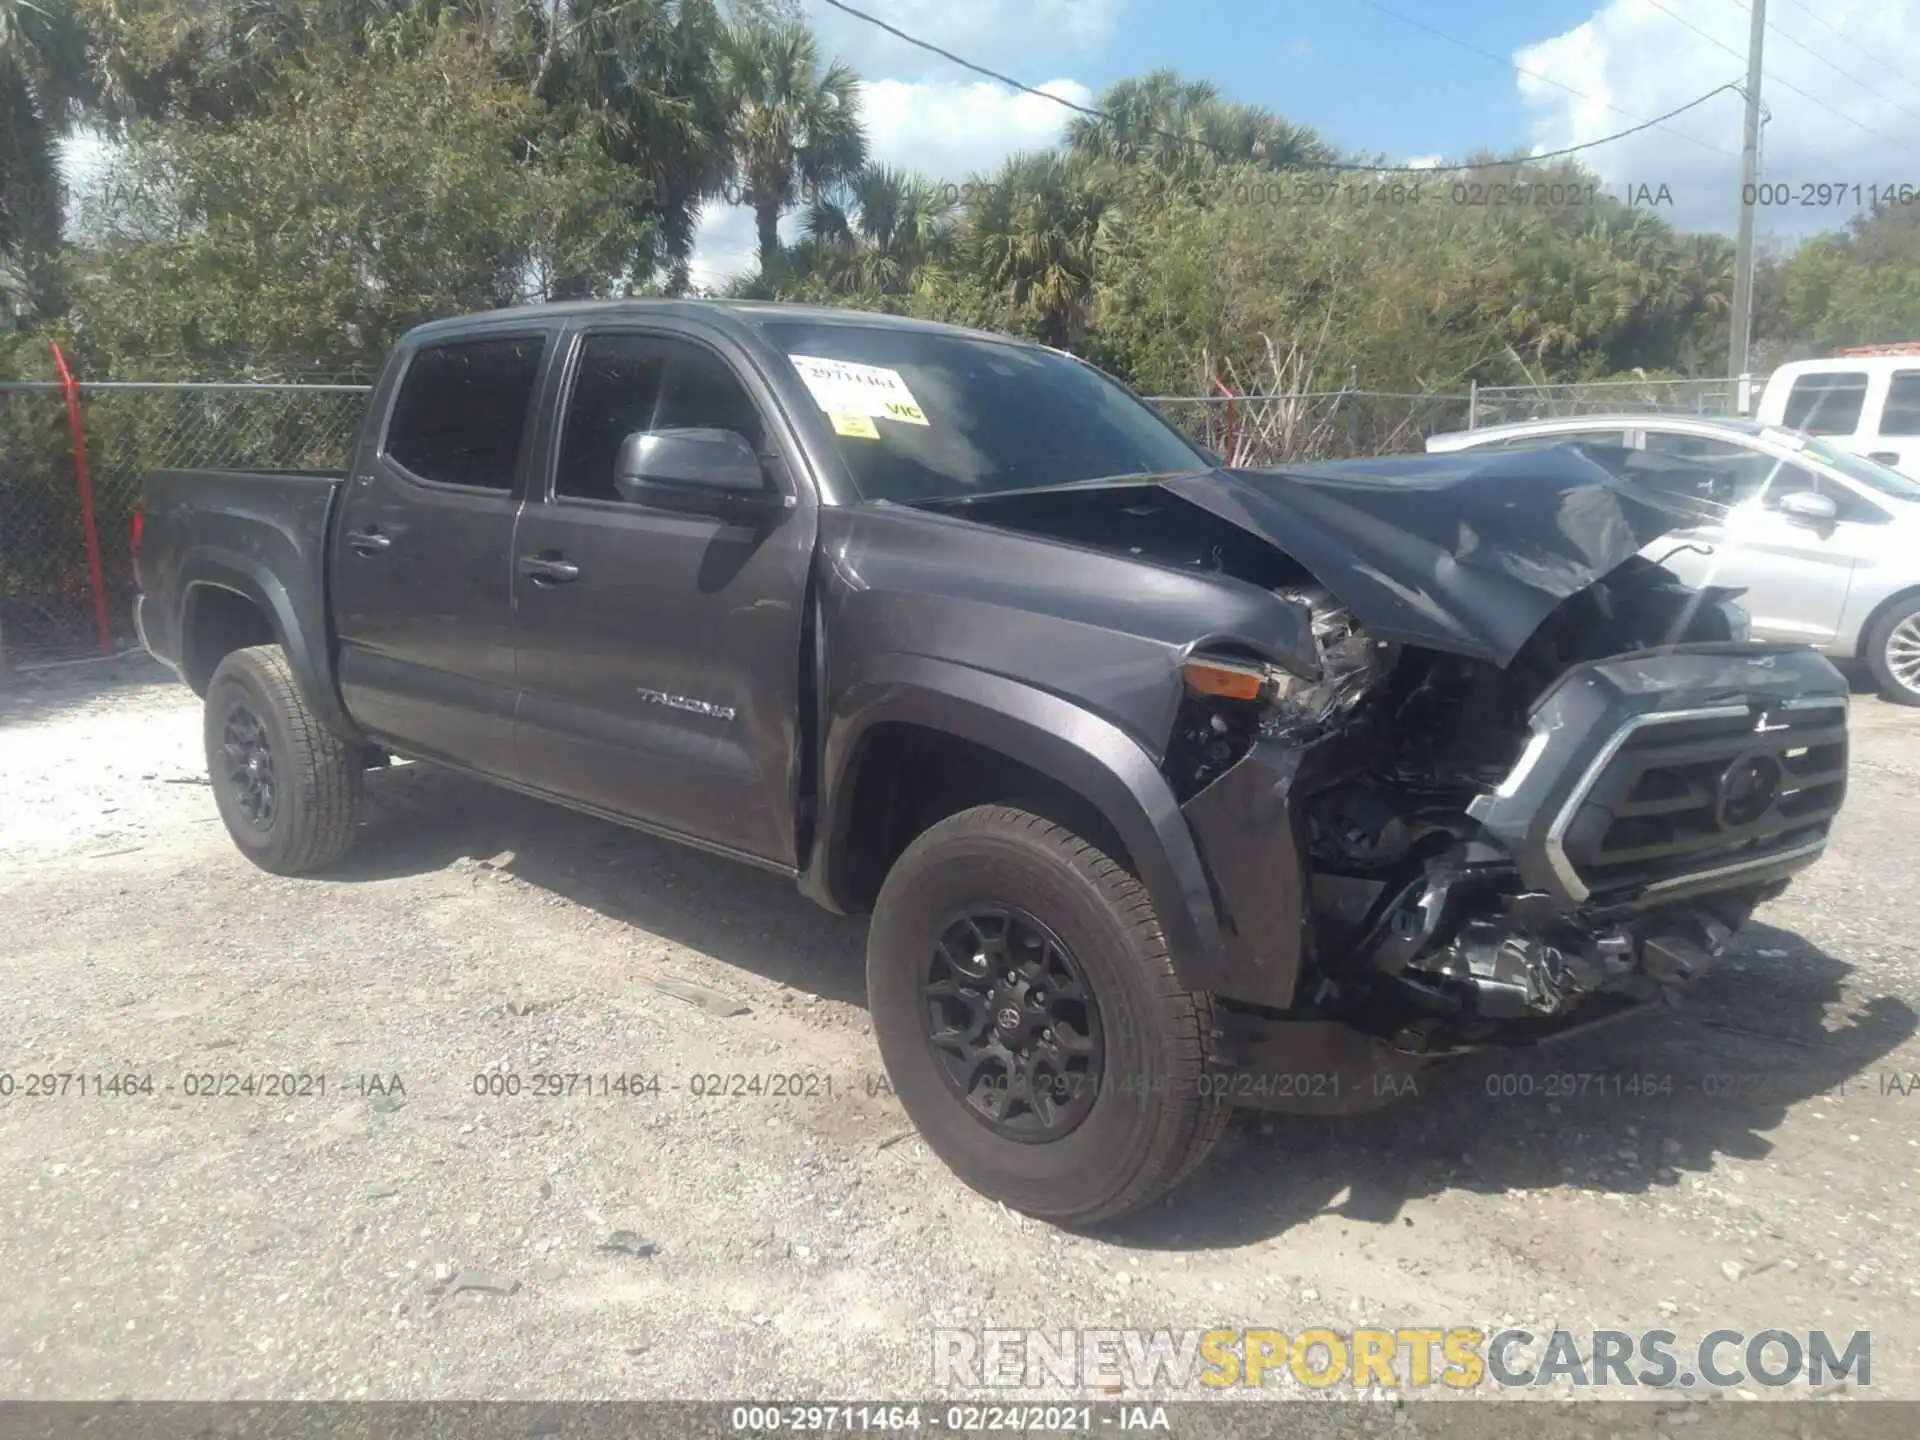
1893, 652
1030, 1021
287, 787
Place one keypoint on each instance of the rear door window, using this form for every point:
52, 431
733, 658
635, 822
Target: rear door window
462, 411
1827, 403
1902, 413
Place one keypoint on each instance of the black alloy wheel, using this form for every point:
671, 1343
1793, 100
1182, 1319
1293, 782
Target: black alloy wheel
288, 789
249, 767
1013, 1018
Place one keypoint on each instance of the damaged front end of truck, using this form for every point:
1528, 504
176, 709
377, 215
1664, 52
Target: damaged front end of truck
1520, 780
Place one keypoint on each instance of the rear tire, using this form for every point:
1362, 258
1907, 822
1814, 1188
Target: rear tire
1071, 920
287, 787
1893, 652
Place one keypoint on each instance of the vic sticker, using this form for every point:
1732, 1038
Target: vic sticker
840, 387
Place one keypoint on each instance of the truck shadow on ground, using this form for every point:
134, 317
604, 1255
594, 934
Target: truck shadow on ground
1629, 1108
421, 819
1632, 1107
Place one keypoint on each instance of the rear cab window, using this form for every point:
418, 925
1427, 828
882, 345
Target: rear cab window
1827, 402
461, 412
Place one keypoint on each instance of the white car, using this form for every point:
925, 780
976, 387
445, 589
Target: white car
1869, 404
1826, 543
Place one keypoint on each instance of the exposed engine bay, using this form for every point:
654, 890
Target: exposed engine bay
1422, 928
1484, 852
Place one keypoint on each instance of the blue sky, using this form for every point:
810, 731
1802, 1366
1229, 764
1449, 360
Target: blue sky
1842, 85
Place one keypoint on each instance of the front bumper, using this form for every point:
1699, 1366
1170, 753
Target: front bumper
1660, 798
1654, 778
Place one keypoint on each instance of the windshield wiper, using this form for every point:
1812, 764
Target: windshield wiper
1098, 482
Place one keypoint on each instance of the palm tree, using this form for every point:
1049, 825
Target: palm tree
43, 77
1184, 128
1032, 231
794, 126
876, 231
638, 75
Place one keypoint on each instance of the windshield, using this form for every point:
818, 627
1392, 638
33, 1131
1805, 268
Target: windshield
925, 416
1863, 471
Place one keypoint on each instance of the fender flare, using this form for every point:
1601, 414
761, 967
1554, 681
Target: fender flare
1090, 756
222, 569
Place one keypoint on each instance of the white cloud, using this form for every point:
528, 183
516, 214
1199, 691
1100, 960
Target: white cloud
945, 129
1631, 55
723, 246
1424, 162
949, 129
1008, 35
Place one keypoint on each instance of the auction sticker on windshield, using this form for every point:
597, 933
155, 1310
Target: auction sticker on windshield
859, 426
841, 387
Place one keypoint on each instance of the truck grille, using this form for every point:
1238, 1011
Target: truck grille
1694, 791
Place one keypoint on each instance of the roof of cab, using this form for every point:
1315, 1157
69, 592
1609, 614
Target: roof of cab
744, 313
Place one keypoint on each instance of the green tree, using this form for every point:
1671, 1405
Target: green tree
640, 76
1031, 233
1857, 286
794, 125
306, 235
43, 78
1185, 129
875, 232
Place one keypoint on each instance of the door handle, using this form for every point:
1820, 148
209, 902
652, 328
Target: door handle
548, 569
366, 542
1885, 457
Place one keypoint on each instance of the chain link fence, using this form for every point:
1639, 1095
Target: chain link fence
1502, 404
1257, 430
47, 606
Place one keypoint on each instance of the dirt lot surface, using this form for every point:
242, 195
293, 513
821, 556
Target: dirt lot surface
443, 1242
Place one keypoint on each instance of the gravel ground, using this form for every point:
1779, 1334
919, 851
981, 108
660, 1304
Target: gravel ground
404, 1237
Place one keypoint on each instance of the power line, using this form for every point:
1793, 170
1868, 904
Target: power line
1843, 74
1098, 114
1777, 80
1843, 38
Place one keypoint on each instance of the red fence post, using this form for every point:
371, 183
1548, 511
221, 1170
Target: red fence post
83, 482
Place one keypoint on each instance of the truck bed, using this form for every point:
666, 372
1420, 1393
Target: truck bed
260, 533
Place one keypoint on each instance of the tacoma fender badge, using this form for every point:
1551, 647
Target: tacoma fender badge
682, 702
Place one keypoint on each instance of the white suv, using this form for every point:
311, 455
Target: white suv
1825, 543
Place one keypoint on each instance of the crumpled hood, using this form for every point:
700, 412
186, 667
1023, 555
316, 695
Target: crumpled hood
1463, 553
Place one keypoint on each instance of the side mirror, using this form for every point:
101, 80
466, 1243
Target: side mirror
1808, 506
705, 472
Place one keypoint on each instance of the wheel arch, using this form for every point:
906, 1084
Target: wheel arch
221, 592
1093, 774
1879, 613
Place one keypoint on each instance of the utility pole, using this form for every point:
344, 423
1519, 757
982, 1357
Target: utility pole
1742, 325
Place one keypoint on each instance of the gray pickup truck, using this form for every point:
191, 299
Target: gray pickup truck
1170, 787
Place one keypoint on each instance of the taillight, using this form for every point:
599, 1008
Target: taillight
139, 523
